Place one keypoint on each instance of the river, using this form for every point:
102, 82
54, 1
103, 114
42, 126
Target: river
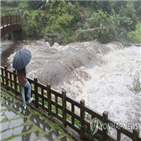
97, 73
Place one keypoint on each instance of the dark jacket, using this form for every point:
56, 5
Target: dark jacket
22, 76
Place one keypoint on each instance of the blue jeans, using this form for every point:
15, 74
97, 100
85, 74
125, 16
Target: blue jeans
27, 85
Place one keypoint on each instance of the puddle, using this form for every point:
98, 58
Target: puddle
9, 99
1, 118
7, 102
17, 122
15, 131
4, 126
26, 137
19, 107
22, 129
40, 123
3, 106
11, 114
64, 139
51, 135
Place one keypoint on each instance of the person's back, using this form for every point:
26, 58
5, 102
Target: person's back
23, 82
22, 76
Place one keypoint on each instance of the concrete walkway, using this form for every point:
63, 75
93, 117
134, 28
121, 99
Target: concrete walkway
18, 124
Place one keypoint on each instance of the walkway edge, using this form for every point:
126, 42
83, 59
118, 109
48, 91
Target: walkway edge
44, 113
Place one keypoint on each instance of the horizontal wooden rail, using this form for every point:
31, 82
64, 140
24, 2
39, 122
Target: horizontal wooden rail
10, 19
69, 111
10, 23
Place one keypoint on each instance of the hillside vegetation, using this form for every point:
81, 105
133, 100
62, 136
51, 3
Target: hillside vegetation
66, 21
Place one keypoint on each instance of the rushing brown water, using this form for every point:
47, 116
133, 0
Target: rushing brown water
58, 64
7, 48
97, 73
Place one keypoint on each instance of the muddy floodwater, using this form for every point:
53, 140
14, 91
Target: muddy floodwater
97, 73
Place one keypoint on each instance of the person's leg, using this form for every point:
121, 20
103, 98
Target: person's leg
27, 85
23, 95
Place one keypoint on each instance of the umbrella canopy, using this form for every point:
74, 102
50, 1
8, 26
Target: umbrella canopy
21, 59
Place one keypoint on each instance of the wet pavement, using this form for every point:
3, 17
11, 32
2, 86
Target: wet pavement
18, 124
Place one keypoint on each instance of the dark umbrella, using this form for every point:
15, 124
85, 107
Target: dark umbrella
21, 59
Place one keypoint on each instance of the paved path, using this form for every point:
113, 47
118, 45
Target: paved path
18, 124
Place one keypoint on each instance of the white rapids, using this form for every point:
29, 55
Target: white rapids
106, 89
97, 73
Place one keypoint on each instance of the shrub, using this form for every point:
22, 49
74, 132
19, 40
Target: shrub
135, 87
134, 36
33, 23
103, 24
62, 19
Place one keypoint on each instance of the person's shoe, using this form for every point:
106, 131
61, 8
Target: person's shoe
31, 99
25, 107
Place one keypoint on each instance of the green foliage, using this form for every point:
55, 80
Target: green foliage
136, 84
129, 12
11, 7
105, 20
86, 26
23, 5
103, 24
137, 6
135, 36
33, 3
33, 23
117, 5
62, 19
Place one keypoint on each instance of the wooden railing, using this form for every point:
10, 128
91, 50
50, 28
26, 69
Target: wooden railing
70, 112
10, 23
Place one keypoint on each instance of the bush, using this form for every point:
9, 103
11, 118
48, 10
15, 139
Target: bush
136, 84
135, 36
33, 23
100, 26
62, 20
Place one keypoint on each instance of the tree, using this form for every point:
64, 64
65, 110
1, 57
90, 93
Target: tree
34, 4
117, 5
129, 11
106, 6
137, 6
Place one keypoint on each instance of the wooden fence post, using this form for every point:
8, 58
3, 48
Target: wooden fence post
118, 135
105, 125
49, 98
3, 26
15, 80
10, 22
16, 19
0, 76
64, 107
135, 134
36, 92
82, 116
2, 73
6, 75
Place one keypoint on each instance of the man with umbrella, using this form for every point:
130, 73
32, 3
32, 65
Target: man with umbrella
20, 61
